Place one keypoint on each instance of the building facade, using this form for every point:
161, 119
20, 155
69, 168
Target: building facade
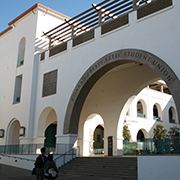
67, 81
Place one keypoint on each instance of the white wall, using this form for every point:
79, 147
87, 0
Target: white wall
150, 97
31, 27
152, 34
158, 167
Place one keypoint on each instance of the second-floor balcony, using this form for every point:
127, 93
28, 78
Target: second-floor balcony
108, 15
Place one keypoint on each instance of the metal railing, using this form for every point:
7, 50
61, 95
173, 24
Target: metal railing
15, 157
166, 145
157, 118
69, 155
59, 160
141, 115
34, 148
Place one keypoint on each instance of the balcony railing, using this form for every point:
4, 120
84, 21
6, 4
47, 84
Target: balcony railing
157, 118
101, 13
172, 120
110, 15
141, 115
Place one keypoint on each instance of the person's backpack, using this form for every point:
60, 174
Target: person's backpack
39, 162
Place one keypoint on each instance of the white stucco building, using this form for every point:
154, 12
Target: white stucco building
68, 80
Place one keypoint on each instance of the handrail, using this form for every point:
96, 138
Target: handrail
63, 155
17, 157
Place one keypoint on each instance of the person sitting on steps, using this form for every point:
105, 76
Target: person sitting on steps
50, 168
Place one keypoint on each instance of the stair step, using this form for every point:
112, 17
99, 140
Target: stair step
120, 168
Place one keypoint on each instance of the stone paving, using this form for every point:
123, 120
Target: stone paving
12, 173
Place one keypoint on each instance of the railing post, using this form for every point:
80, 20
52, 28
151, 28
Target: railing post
50, 41
73, 31
101, 18
134, 4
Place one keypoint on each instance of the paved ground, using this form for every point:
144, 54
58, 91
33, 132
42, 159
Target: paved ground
12, 173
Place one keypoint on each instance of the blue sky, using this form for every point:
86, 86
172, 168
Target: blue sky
10, 9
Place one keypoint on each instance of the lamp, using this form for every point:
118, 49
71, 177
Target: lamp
1, 133
22, 131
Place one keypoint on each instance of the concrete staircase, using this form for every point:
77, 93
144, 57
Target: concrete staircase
109, 167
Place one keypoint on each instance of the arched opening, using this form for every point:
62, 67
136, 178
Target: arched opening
141, 109
47, 127
13, 132
93, 135
106, 63
12, 138
106, 87
50, 133
140, 136
157, 114
21, 51
98, 138
172, 115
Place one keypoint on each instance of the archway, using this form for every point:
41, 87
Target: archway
106, 87
105, 64
141, 109
140, 135
50, 133
13, 132
98, 138
92, 127
47, 126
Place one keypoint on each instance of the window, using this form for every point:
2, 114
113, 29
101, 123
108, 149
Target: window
140, 110
21, 52
49, 83
140, 136
172, 115
156, 112
17, 89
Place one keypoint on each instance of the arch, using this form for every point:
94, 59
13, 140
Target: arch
141, 109
48, 116
90, 125
172, 115
98, 140
13, 128
106, 63
21, 51
50, 134
121, 118
141, 134
157, 112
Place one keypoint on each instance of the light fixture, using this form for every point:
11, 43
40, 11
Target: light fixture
1, 133
22, 131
